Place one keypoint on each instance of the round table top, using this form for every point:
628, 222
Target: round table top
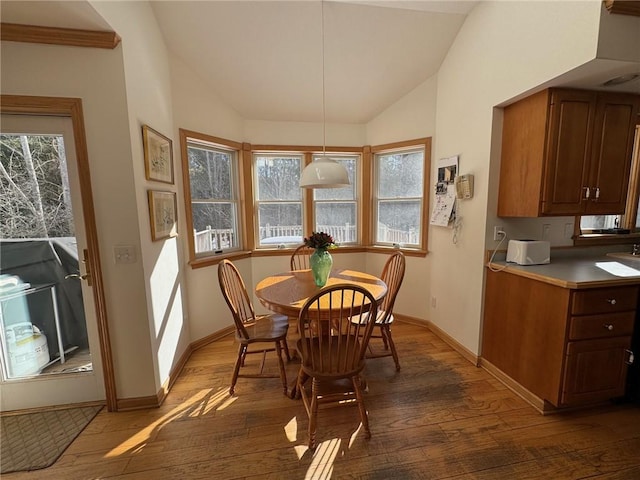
287, 292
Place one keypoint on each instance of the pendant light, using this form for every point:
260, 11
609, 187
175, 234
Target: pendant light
324, 172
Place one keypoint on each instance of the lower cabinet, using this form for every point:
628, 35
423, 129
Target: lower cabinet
595, 370
566, 347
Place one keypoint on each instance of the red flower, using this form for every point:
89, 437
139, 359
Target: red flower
320, 240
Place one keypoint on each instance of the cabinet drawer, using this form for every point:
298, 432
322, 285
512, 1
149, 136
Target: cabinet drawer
604, 300
601, 326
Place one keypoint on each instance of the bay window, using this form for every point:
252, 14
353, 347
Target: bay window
211, 182
399, 196
278, 199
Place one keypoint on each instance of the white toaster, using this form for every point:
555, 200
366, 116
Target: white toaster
529, 252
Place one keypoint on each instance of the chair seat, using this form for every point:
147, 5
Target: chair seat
325, 364
266, 328
380, 318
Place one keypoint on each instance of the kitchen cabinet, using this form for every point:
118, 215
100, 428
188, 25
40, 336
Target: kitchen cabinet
567, 152
563, 347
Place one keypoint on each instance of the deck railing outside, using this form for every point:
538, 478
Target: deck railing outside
212, 239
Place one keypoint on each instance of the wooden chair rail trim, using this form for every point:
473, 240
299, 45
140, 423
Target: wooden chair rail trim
11, 32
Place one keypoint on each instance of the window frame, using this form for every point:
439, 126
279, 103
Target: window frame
357, 157
308, 202
256, 202
187, 138
423, 144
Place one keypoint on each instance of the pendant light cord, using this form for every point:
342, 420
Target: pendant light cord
324, 120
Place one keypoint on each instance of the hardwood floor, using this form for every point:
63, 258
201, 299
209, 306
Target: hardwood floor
439, 417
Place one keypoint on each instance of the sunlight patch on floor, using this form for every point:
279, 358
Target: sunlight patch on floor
325, 454
355, 435
199, 404
291, 430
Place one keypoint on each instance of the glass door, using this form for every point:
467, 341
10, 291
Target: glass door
49, 340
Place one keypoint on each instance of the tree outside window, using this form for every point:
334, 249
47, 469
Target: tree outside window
399, 197
336, 209
35, 199
278, 199
214, 202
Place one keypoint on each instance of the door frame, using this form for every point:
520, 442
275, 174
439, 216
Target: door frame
72, 108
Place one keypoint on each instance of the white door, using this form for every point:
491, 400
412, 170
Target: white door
57, 360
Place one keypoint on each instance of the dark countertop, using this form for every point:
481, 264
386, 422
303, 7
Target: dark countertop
576, 269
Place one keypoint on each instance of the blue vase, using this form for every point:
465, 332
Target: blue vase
321, 263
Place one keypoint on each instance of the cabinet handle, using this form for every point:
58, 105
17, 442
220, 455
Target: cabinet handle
631, 357
587, 192
597, 195
612, 301
608, 326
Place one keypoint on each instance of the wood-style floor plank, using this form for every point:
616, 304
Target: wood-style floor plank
438, 418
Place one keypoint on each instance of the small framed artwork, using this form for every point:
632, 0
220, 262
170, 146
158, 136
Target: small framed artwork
158, 156
163, 214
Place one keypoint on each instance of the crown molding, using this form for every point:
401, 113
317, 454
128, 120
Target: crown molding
12, 32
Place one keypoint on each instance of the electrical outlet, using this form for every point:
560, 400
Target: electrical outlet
568, 230
433, 302
546, 230
498, 233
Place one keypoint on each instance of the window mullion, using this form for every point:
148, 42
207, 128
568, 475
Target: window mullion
366, 211
308, 213
247, 207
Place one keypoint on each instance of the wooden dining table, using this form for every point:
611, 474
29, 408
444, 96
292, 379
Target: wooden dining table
287, 292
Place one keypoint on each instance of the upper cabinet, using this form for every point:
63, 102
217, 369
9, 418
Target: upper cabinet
567, 152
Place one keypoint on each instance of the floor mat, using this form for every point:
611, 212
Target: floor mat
35, 440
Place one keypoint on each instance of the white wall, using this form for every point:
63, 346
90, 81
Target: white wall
97, 77
412, 116
303, 133
148, 95
502, 50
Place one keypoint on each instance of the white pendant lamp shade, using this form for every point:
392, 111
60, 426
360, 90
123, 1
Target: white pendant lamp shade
324, 173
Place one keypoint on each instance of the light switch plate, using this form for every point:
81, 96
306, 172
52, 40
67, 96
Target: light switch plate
124, 254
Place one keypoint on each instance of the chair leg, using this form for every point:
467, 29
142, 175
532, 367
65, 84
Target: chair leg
286, 349
361, 406
313, 414
236, 370
300, 381
383, 335
283, 373
387, 330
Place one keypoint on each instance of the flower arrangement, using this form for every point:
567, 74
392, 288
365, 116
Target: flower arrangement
320, 240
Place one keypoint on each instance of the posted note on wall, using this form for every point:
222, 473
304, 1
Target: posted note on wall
443, 209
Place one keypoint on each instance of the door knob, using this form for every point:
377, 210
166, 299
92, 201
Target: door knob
76, 275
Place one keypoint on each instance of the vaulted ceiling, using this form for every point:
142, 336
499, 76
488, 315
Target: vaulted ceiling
274, 60
305, 60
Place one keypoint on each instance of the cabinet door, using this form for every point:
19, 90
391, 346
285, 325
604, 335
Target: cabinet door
568, 152
595, 370
611, 153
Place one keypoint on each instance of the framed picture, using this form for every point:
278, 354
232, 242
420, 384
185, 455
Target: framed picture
163, 214
158, 156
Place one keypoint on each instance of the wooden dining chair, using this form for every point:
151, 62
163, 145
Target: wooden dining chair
392, 275
332, 349
300, 258
252, 328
